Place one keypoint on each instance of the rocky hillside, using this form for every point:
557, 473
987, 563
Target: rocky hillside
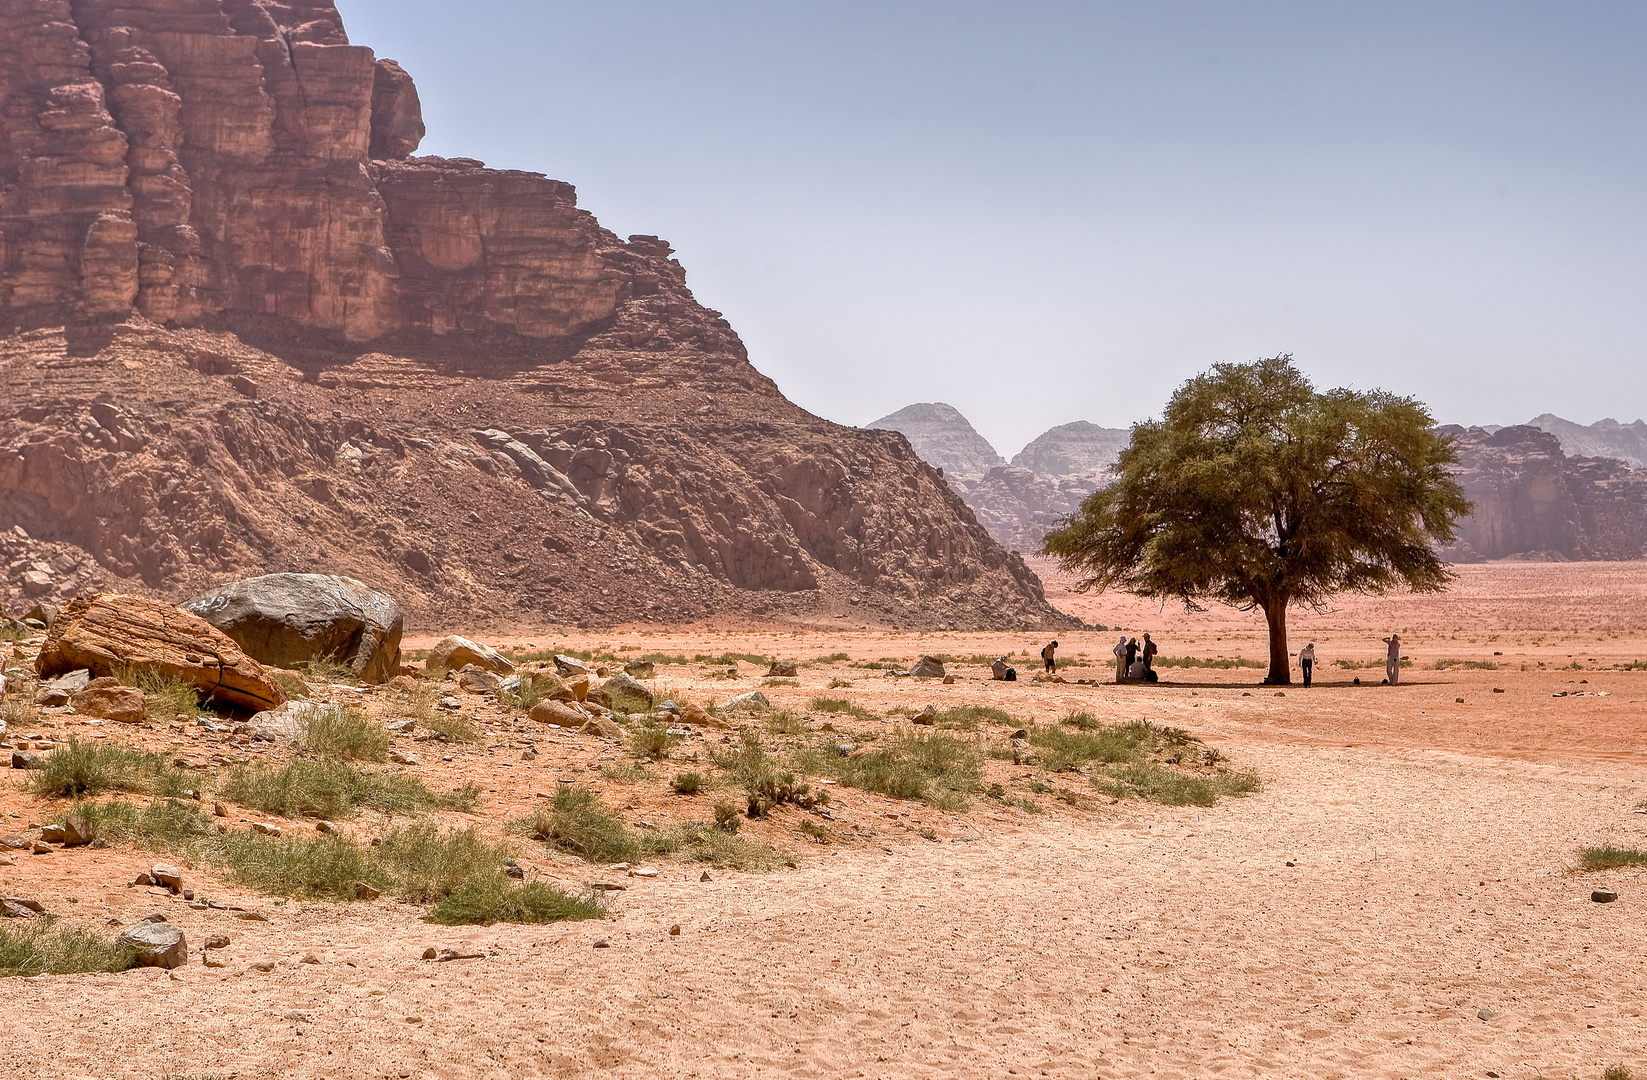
1604, 438
1532, 500
942, 437
1074, 451
245, 330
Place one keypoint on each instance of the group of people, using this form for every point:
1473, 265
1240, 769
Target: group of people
1135, 661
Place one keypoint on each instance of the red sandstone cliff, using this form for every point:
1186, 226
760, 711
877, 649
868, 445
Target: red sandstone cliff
249, 331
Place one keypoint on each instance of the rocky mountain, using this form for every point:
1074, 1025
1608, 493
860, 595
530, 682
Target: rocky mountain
243, 329
942, 437
1602, 439
1079, 450
1531, 500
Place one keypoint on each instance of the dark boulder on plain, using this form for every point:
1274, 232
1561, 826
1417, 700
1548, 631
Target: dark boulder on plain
285, 620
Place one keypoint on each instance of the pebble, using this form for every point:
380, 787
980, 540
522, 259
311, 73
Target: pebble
603, 944
1603, 896
262, 965
309, 958
265, 829
675, 931
217, 941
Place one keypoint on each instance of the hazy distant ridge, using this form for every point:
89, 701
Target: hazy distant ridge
1604, 438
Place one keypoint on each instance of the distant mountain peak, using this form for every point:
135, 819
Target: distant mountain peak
943, 437
1604, 438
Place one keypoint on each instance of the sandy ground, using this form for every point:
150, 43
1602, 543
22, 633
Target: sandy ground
1430, 922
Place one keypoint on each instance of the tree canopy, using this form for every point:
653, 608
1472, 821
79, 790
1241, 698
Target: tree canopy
1256, 489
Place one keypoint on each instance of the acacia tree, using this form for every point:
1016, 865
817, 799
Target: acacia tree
1256, 490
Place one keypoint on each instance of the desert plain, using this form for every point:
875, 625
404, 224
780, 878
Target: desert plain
1400, 897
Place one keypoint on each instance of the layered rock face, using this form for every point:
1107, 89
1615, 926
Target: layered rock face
1602, 439
1531, 500
250, 332
943, 437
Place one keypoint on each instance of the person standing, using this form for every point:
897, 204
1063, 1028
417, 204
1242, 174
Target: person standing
1306, 662
1121, 659
1392, 659
1046, 657
1132, 655
1149, 653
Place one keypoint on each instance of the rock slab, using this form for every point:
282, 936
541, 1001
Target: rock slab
114, 631
156, 944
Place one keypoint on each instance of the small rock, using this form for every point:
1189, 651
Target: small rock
401, 757
752, 700
1603, 896
401, 727
675, 931
212, 962
15, 907
641, 669
364, 891
309, 958
1498, 689
42, 848
450, 703
430, 953
603, 944
22, 759
476, 681
927, 717
217, 941
107, 699
156, 944
168, 875
262, 965
265, 829
1487, 1014
643, 872
782, 669
327, 828
251, 916
52, 834
1019, 734
949, 679
567, 666
928, 667
459, 954
603, 727
1459, 700
706, 877
16, 843
144, 880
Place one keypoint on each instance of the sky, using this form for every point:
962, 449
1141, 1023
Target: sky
1043, 212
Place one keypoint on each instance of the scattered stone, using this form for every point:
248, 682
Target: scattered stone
22, 759
603, 944
56, 692
603, 727
52, 834
558, 712
1603, 896
289, 619
782, 669
327, 827
459, 954
476, 680
309, 958
400, 727
16, 843
575, 689
1498, 689
156, 944
752, 700
567, 666
641, 669
696, 716
40, 847
168, 875
217, 941
212, 961
107, 699
1459, 700
1487, 1014
450, 703
78, 830
15, 907
949, 679
928, 667
643, 872
219, 810
455, 653
114, 630
251, 916
927, 717
265, 828
675, 931
430, 953
262, 965
143, 880
401, 757
364, 891
706, 877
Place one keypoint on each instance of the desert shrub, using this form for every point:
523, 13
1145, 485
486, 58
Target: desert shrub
1060, 747
732, 659
1608, 857
326, 669
780, 682
342, 731
166, 825
651, 741
966, 717
488, 899
92, 768
687, 783
660, 658
842, 707
784, 722
317, 868
164, 696
720, 847
726, 817
452, 727
936, 768
625, 772
747, 764
535, 686
1154, 782
576, 821
1616, 1072
290, 682
1220, 664
335, 789
427, 864
36, 947
832, 658
838, 683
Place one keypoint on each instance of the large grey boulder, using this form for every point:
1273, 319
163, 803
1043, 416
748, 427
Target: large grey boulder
285, 620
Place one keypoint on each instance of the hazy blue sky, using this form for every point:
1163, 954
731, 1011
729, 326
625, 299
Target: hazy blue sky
1043, 212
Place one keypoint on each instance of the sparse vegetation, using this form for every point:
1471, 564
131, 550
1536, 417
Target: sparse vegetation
731, 659
93, 768
1139, 760
328, 670
838, 683
842, 707
784, 722
1616, 1072
290, 682
967, 717
651, 742
1468, 665
164, 697
343, 732
576, 821
36, 947
490, 898
1608, 857
533, 688
938, 769
335, 789
166, 825
687, 783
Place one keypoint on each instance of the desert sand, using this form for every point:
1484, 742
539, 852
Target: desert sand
1398, 900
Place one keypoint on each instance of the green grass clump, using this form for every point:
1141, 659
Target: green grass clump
747, 764
651, 742
839, 683
301, 867
452, 727
730, 659
290, 682
1608, 857
427, 864
702, 843
1218, 664
842, 707
35, 948
1060, 747
327, 670
686, 783
966, 717
576, 821
535, 686
1157, 783
484, 900
92, 768
342, 731
164, 696
936, 768
1616, 1072
784, 722
336, 789
167, 825
832, 658
1139, 760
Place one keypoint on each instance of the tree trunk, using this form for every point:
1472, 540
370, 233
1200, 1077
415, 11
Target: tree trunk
1275, 613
